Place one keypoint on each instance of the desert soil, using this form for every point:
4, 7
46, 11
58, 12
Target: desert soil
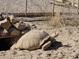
66, 47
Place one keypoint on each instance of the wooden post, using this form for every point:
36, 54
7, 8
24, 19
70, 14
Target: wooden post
53, 7
26, 8
78, 7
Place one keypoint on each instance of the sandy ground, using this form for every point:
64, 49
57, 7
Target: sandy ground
66, 47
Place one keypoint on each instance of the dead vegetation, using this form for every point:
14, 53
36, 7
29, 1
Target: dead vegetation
57, 20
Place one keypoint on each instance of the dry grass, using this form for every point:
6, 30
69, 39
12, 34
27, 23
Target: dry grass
56, 20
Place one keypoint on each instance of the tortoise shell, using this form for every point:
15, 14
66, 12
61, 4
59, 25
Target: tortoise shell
31, 40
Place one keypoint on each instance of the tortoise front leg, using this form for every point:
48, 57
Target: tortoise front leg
46, 45
44, 41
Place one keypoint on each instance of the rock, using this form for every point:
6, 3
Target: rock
20, 25
5, 24
14, 32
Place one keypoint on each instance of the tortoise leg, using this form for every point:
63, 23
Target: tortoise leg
46, 45
44, 41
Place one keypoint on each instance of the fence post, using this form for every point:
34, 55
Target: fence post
78, 7
53, 7
26, 8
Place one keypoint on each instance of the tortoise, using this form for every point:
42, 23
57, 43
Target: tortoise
34, 39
